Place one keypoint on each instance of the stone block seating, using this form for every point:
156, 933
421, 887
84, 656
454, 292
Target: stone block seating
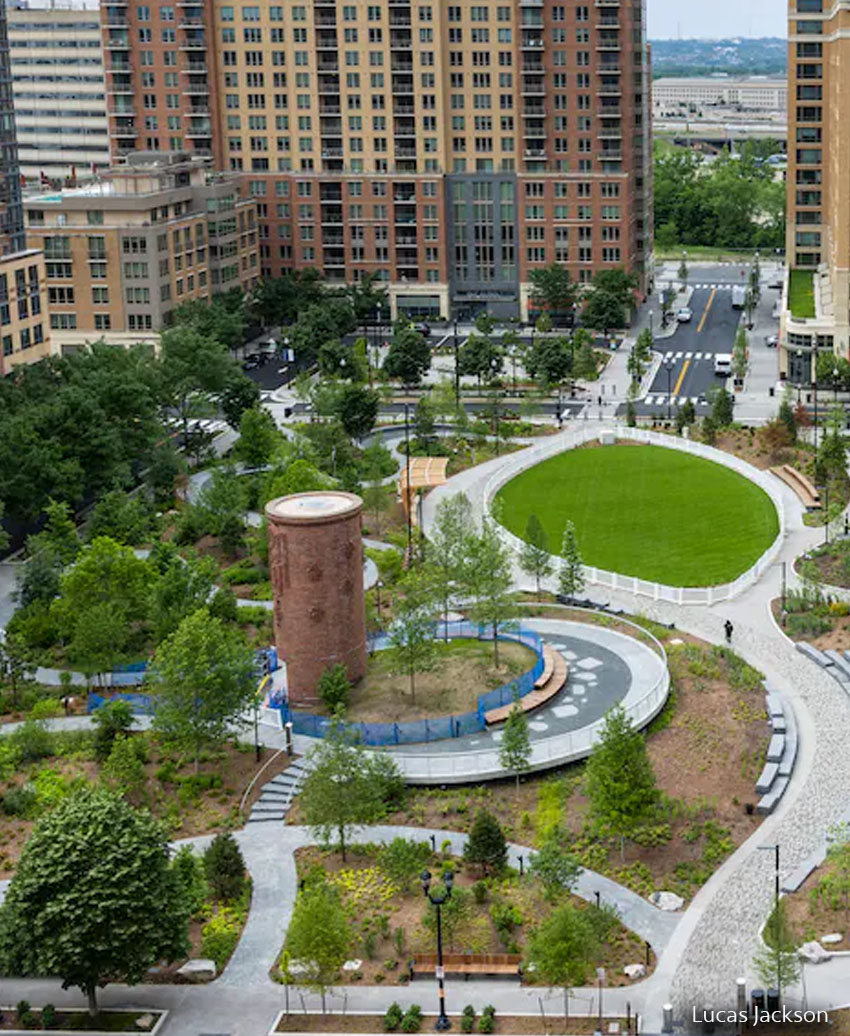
547, 685
800, 484
468, 964
781, 752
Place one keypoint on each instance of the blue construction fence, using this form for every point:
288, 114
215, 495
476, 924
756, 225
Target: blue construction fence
135, 673
443, 727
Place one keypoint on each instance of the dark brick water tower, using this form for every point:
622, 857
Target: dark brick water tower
316, 565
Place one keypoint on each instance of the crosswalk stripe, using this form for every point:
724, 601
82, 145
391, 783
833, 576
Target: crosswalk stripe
678, 356
689, 356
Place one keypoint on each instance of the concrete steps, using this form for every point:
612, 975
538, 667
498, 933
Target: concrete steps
277, 794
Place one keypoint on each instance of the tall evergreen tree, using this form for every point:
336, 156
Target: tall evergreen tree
535, 559
619, 780
515, 746
571, 572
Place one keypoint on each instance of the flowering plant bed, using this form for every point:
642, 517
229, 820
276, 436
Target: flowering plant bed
522, 1025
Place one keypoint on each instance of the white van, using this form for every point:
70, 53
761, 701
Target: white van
723, 364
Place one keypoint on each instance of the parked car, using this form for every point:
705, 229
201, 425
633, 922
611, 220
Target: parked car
251, 362
423, 328
684, 315
723, 364
772, 341
775, 282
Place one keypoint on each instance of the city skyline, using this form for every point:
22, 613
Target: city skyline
671, 19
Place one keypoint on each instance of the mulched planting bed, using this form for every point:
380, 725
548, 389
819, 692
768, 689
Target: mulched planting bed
521, 1025
379, 910
80, 1021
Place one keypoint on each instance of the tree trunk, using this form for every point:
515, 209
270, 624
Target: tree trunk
496, 644
538, 586
341, 830
91, 994
412, 686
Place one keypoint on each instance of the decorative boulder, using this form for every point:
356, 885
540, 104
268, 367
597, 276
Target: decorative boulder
635, 970
831, 939
667, 901
813, 953
200, 969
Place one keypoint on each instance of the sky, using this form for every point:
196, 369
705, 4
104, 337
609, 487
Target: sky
670, 19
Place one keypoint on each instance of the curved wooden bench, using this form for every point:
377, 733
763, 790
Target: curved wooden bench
467, 964
804, 489
539, 696
548, 667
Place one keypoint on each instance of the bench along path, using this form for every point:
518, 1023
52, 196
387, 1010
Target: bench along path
804, 489
550, 682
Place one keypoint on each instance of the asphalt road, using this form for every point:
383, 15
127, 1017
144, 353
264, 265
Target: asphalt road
687, 370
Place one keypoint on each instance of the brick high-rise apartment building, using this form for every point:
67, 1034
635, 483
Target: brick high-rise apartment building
450, 147
816, 310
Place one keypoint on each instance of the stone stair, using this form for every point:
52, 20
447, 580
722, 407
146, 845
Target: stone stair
276, 796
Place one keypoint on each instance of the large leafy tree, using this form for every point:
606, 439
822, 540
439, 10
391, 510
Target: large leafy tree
357, 410
409, 356
221, 318
184, 585
550, 360
412, 631
480, 357
93, 898
258, 436
193, 366
203, 676
619, 780
345, 786
552, 288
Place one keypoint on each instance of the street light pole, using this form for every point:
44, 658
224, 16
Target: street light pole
407, 481
442, 1023
457, 367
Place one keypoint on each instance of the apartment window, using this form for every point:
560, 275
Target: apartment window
63, 321
102, 322
100, 296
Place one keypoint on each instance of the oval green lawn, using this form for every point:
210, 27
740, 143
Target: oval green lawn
646, 511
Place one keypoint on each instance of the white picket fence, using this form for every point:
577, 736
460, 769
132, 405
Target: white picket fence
707, 595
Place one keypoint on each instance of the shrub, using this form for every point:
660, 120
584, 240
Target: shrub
190, 873
33, 741
48, 1016
23, 1007
29, 1020
224, 606
393, 1017
46, 708
412, 1020
467, 1019
486, 1023
479, 891
402, 861
110, 720
835, 608
19, 801
398, 939
334, 687
224, 868
219, 937
369, 945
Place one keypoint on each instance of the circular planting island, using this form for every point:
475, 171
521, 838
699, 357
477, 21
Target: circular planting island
658, 514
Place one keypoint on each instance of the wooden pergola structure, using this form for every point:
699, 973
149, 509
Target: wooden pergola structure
424, 473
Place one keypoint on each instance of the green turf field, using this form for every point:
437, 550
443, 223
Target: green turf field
646, 511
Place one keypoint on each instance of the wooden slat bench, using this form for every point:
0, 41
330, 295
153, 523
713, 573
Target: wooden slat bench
799, 483
534, 699
468, 964
548, 667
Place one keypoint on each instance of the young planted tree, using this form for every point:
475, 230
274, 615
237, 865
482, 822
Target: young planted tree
452, 536
534, 558
334, 688
491, 582
203, 677
571, 571
557, 869
740, 353
722, 408
776, 963
413, 628
515, 746
346, 786
786, 415
619, 780
564, 948
16, 663
93, 899
258, 436
319, 936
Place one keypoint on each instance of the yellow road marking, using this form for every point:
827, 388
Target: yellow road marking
707, 308
681, 377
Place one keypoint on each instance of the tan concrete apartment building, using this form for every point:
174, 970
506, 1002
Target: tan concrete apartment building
59, 88
449, 148
157, 231
816, 301
24, 336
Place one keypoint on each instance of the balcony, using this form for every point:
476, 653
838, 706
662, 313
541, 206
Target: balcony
194, 43
401, 64
399, 19
400, 41
331, 127
118, 43
122, 110
329, 107
327, 63
533, 65
330, 192
404, 131
608, 41
611, 156
332, 152
325, 20
534, 152
202, 132
195, 68
332, 216
534, 129
533, 109
329, 86
190, 23
532, 41
609, 69
405, 152
608, 21
117, 21
402, 108
197, 88
533, 87
124, 87
326, 40
610, 133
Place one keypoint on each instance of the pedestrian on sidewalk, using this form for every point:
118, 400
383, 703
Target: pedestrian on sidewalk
728, 627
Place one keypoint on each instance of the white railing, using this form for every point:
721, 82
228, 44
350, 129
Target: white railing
570, 746
517, 462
